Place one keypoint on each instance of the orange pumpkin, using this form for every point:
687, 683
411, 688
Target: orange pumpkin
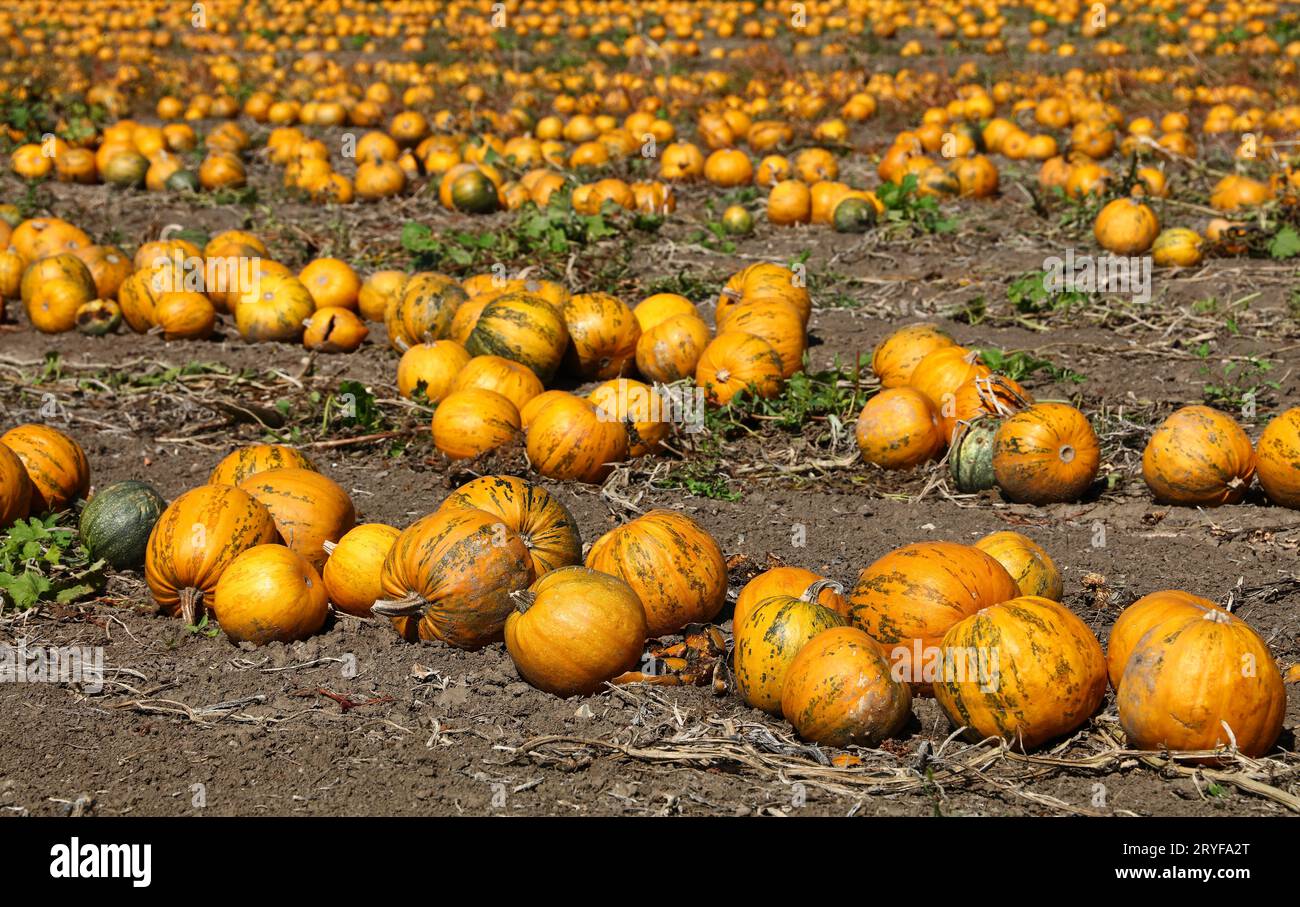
795, 582
1199, 457
185, 316
309, 509
943, 371
55, 465
1126, 227
545, 525
1139, 617
248, 461
274, 308
15, 488
515, 382
1025, 560
767, 641
570, 438
430, 369
658, 308
736, 361
1277, 457
473, 421
899, 429
523, 327
352, 572
1046, 454
990, 395
270, 593
639, 408
776, 322
671, 349
427, 306
896, 357
334, 329
603, 334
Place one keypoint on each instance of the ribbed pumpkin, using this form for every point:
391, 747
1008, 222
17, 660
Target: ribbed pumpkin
1197, 682
432, 367
1029, 565
574, 629
116, 523
547, 528
240, 464
515, 382
899, 428
896, 357
765, 281
15, 488
473, 421
309, 509
660, 307
1139, 617
639, 408
603, 334
55, 463
138, 299
914, 594
570, 439
673, 564
1126, 227
352, 572
1048, 453
942, 372
1199, 457
539, 403
427, 306
970, 456
273, 309
196, 538
840, 691
735, 361
185, 316
795, 582
524, 328
671, 349
270, 593
768, 639
1026, 670
1277, 458
450, 575
776, 322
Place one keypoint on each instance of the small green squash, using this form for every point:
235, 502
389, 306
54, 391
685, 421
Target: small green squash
854, 215
970, 460
117, 521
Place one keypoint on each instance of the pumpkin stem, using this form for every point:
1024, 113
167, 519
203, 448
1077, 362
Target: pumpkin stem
329, 547
1217, 617
191, 601
815, 589
408, 605
523, 599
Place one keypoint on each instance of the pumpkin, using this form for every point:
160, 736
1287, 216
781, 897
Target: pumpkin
639, 408
1198, 682
195, 540
970, 458
473, 421
524, 328
1029, 565
1139, 617
1277, 459
511, 380
1026, 670
430, 369
274, 308
942, 372
331, 282
246, 462
603, 333
1198, 457
547, 528
377, 291
308, 508
352, 572
539, 403
767, 641
574, 629
1048, 453
185, 316
776, 322
1126, 227
673, 564
840, 691
428, 305
270, 593
116, 523
55, 464
450, 575
736, 361
991, 395
671, 350
789, 202
15, 488
764, 281
138, 300
795, 582
99, 317
660, 307
570, 438
853, 215
1177, 247
899, 429
911, 596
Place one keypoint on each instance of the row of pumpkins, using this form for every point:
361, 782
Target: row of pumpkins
269, 543
938, 395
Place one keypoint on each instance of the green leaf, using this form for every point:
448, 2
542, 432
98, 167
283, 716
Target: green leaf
1285, 244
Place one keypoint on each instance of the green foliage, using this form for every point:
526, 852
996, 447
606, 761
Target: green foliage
1029, 294
354, 406
1236, 383
43, 561
835, 395
904, 205
1019, 365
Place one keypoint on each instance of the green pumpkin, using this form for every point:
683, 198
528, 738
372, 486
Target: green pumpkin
99, 317
183, 181
117, 522
474, 193
970, 461
854, 215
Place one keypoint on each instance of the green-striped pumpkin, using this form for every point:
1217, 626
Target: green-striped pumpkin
117, 521
428, 305
55, 463
524, 328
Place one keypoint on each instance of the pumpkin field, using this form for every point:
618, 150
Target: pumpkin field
747, 407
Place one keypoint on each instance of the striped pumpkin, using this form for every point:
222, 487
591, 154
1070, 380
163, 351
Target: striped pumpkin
767, 641
795, 582
545, 525
523, 328
427, 306
569, 439
55, 463
309, 509
603, 333
734, 361
1139, 617
15, 488
248, 461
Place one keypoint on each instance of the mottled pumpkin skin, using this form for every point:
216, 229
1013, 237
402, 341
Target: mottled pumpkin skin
15, 488
792, 581
970, 459
427, 306
1046, 674
919, 591
839, 691
734, 361
198, 536
768, 640
897, 355
515, 382
55, 464
764, 281
603, 333
776, 322
545, 525
270, 594
671, 350
575, 630
524, 328
1046, 454
248, 461
569, 439
992, 396
639, 408
1199, 457
1029, 565
899, 429
462, 566
1190, 675
352, 573
473, 421
309, 509
1139, 617
1278, 459
675, 567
